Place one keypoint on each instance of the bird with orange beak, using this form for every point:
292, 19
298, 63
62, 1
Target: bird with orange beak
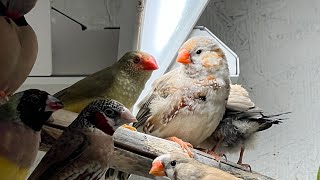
178, 166
123, 82
186, 105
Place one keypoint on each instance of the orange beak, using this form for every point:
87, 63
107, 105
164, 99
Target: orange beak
184, 57
150, 64
157, 169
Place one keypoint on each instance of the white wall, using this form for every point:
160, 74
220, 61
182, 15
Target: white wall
278, 45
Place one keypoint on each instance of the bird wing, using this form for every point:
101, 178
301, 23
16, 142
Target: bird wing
87, 89
239, 99
162, 87
68, 147
241, 108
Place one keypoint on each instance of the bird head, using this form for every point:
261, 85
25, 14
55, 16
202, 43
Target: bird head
34, 107
166, 164
107, 115
137, 61
201, 53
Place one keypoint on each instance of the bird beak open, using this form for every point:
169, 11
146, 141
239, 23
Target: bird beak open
150, 64
53, 104
157, 169
127, 116
184, 57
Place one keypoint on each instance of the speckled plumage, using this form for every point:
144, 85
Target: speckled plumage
83, 150
123, 81
188, 102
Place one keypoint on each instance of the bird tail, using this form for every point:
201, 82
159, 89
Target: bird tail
267, 121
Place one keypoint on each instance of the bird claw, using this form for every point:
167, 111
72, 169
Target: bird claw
184, 145
246, 166
3, 98
216, 156
129, 127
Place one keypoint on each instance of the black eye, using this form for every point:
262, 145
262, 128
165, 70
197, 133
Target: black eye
199, 51
109, 112
136, 60
35, 99
203, 98
173, 163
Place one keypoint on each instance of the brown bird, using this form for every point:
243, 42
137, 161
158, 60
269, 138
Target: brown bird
83, 150
188, 103
177, 166
18, 46
239, 125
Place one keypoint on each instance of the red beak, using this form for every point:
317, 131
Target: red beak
150, 64
157, 169
53, 104
184, 57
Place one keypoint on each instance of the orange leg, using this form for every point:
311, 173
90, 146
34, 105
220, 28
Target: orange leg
240, 160
184, 145
213, 153
3, 97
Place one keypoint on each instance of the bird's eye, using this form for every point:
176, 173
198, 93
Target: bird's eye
199, 51
203, 98
136, 60
35, 99
109, 112
173, 163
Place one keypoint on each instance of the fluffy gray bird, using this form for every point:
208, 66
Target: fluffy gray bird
241, 122
83, 150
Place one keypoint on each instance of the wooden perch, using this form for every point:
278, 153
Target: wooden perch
134, 151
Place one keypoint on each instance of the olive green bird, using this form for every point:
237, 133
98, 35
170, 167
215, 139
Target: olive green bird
123, 82
21, 120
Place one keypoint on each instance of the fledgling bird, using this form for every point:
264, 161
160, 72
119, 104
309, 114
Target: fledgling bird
18, 46
187, 104
84, 149
241, 122
178, 166
123, 82
21, 120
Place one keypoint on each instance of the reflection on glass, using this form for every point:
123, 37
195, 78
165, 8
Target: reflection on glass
167, 24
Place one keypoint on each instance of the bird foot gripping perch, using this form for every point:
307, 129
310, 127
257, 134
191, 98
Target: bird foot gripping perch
216, 156
184, 145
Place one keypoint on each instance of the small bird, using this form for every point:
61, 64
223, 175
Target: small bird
241, 122
18, 46
21, 120
123, 82
177, 166
84, 149
187, 104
